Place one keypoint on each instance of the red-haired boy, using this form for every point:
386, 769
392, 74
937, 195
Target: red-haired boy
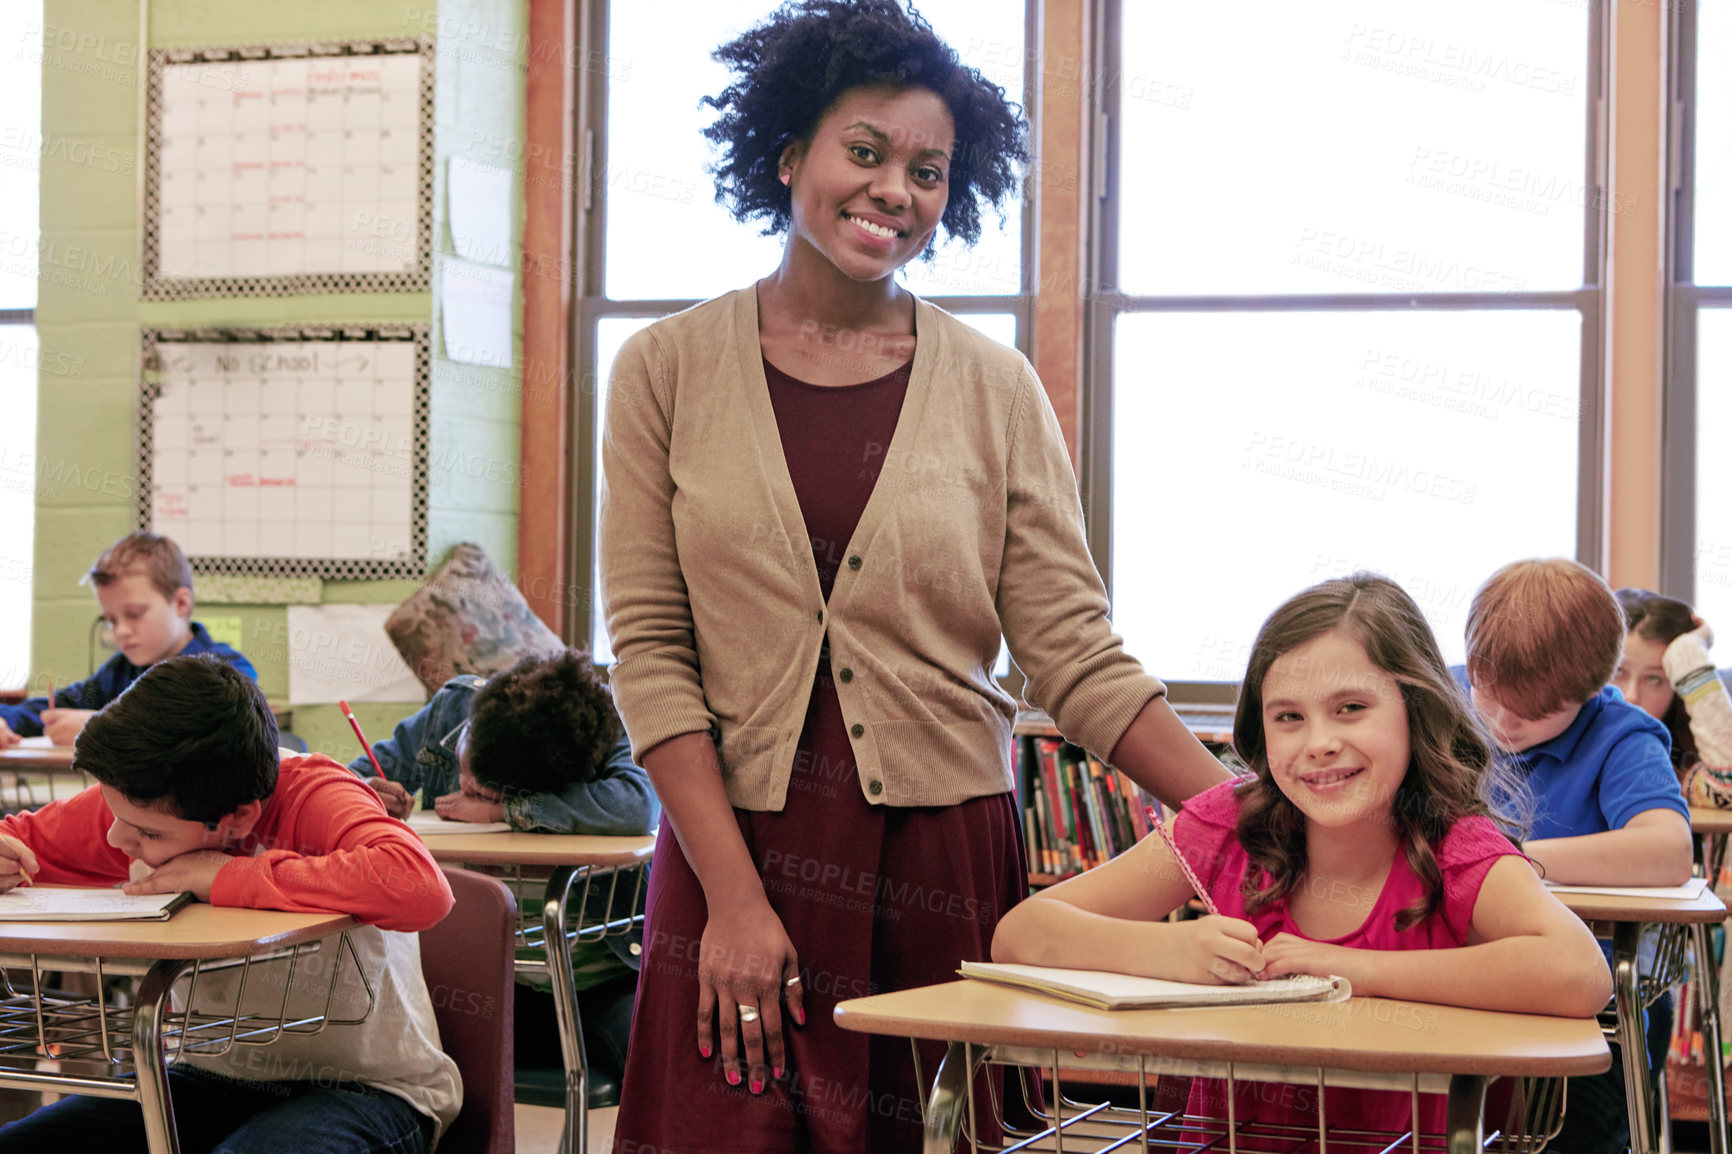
1543, 639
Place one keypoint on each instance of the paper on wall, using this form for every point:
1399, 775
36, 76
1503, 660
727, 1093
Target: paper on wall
341, 653
479, 198
475, 313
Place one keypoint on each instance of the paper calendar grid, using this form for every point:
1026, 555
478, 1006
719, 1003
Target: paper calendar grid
287, 452
288, 168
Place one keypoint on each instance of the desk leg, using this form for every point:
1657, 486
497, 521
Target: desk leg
1707, 984
148, 1059
1645, 1129
557, 898
947, 1105
1464, 1119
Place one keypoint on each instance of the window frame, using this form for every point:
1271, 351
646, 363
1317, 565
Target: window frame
592, 305
1685, 300
1106, 303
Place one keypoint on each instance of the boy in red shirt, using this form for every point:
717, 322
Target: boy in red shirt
193, 795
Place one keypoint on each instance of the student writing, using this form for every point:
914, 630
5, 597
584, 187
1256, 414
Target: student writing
192, 796
1543, 639
1364, 845
540, 746
144, 586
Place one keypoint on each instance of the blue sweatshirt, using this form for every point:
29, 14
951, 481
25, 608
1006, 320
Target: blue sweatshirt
110, 682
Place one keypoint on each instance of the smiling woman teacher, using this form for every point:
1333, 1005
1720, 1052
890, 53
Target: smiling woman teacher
825, 501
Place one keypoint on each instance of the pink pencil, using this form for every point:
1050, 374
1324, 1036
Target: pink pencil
1173, 848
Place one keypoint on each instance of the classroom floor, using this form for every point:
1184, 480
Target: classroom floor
538, 1129
538, 1132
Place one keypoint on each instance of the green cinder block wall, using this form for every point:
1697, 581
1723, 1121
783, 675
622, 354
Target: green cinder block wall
89, 304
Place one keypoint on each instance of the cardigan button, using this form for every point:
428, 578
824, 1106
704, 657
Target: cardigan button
820, 617
847, 676
875, 788
857, 730
854, 561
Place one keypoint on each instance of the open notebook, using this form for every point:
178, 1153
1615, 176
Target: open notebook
1689, 891
426, 823
1106, 991
86, 904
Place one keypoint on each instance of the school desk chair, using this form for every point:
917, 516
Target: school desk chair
467, 960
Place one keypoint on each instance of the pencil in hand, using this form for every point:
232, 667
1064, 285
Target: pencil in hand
365, 744
1160, 827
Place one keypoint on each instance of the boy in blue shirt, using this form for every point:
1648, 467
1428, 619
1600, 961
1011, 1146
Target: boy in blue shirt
144, 586
1543, 639
538, 746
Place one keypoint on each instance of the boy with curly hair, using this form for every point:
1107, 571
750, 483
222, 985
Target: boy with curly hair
538, 746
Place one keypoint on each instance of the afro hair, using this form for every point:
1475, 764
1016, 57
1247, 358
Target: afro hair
791, 68
541, 725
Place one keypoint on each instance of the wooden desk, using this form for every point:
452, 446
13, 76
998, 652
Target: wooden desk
614, 862
1366, 1042
36, 753
1650, 1129
1713, 825
107, 1042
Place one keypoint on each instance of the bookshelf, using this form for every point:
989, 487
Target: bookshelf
1078, 812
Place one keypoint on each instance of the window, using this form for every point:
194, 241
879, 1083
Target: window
657, 240
21, 150
1697, 544
1349, 312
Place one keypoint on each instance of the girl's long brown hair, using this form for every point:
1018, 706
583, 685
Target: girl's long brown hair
1450, 770
1664, 619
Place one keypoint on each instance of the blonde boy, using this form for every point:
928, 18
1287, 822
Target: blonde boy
144, 587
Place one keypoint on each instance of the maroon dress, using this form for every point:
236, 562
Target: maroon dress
873, 897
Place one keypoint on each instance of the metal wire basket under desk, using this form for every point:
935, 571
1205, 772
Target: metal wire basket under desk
88, 1044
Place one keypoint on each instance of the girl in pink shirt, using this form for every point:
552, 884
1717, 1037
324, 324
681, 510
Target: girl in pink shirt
1363, 845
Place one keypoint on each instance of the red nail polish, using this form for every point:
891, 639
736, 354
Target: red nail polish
704, 1049
757, 1087
733, 1077
776, 1072
799, 1017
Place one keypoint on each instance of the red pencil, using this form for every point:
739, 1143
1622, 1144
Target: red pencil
365, 744
1173, 848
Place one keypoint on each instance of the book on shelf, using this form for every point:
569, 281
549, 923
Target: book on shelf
1108, 991
1078, 812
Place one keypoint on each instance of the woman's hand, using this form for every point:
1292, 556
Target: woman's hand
1217, 950
1286, 954
745, 967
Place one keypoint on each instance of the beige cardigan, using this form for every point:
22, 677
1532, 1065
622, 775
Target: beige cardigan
712, 597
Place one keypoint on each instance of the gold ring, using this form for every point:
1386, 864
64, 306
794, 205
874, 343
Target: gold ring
793, 981
747, 1013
